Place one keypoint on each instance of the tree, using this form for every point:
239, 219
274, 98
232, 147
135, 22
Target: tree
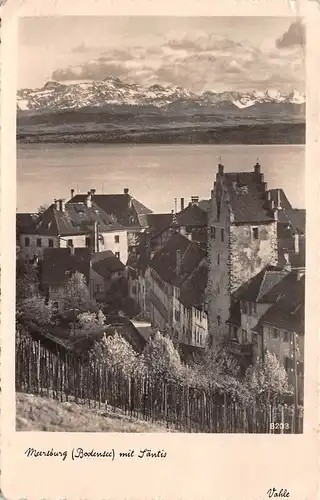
118, 354
88, 322
42, 209
267, 380
77, 297
27, 280
162, 359
34, 310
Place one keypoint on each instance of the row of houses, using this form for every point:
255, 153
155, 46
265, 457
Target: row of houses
229, 268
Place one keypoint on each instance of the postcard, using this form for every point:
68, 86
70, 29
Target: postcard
159, 191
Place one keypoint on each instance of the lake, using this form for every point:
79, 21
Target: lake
154, 174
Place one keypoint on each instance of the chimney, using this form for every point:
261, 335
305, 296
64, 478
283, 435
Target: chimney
194, 200
269, 195
264, 187
261, 178
182, 204
72, 193
96, 237
62, 204
178, 262
220, 169
296, 243
257, 168
56, 204
88, 201
126, 190
278, 199
175, 205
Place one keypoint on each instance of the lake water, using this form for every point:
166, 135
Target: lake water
154, 174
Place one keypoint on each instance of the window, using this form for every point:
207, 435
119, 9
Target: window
218, 259
117, 238
177, 315
275, 333
98, 288
254, 308
255, 233
88, 241
50, 243
54, 289
222, 234
250, 308
27, 241
117, 254
213, 232
70, 243
219, 320
218, 289
288, 364
244, 308
55, 305
285, 336
244, 336
38, 242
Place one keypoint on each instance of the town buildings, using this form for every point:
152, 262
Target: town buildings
84, 222
226, 270
249, 228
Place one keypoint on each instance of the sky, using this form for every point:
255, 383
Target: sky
197, 53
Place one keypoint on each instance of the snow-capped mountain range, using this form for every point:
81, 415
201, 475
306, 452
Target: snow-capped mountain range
74, 95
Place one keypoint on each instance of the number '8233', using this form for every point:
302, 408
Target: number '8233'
275, 426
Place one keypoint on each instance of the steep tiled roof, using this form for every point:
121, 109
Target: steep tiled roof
288, 311
77, 218
25, 221
59, 263
294, 217
107, 264
123, 207
247, 197
192, 215
193, 289
156, 222
164, 262
256, 289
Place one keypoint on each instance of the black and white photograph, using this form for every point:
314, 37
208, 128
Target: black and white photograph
160, 224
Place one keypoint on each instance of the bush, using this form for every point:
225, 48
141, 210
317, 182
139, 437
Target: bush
267, 380
118, 354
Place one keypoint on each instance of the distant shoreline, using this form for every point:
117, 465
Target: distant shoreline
274, 133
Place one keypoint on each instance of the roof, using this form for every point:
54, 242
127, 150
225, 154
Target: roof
59, 263
192, 291
143, 327
247, 197
204, 205
123, 207
192, 215
156, 222
164, 262
24, 221
107, 264
77, 218
294, 218
257, 288
288, 311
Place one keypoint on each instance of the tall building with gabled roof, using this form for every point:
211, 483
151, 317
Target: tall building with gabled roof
242, 226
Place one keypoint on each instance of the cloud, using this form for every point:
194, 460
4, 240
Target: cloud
198, 61
295, 35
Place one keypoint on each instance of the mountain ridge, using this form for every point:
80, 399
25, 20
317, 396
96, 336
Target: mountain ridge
112, 91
